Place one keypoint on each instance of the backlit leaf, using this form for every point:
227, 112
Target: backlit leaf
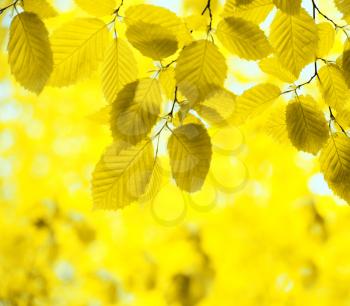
98, 9
273, 66
40, 7
291, 7
326, 34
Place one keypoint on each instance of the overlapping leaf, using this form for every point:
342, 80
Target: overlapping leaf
273, 66
30, 55
98, 9
291, 7
40, 7
326, 34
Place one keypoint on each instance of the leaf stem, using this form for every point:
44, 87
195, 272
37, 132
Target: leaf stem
208, 8
13, 4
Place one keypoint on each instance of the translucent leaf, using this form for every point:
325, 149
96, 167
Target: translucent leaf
217, 108
200, 69
306, 125
119, 69
100, 9
161, 16
275, 124
294, 38
168, 82
333, 86
30, 55
152, 40
273, 66
255, 11
122, 174
254, 101
326, 34
78, 47
136, 110
291, 7
243, 38
335, 165
40, 7
190, 154
155, 182
343, 6
345, 62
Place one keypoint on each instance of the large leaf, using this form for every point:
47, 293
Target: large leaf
40, 7
273, 66
152, 40
335, 164
255, 11
78, 47
190, 154
306, 125
254, 101
200, 69
326, 34
119, 69
291, 7
136, 110
97, 8
30, 55
294, 38
243, 38
333, 86
122, 174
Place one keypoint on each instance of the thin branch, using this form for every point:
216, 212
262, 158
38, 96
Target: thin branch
208, 8
9, 6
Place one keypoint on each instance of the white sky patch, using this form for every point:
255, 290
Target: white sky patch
173, 5
63, 5
318, 185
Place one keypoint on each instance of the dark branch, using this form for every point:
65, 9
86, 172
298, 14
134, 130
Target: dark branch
208, 8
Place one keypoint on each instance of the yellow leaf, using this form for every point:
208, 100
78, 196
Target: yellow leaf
98, 9
78, 47
254, 101
119, 69
152, 14
255, 11
335, 165
345, 62
122, 174
306, 125
243, 38
291, 7
294, 38
190, 154
136, 110
168, 82
217, 108
40, 7
326, 34
155, 182
152, 40
30, 55
275, 124
273, 66
343, 6
333, 86
200, 69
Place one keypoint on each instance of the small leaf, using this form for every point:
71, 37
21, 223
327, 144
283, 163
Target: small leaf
119, 69
326, 34
243, 38
333, 86
291, 7
152, 40
306, 125
78, 47
30, 55
136, 110
122, 174
200, 69
254, 101
190, 154
335, 165
294, 38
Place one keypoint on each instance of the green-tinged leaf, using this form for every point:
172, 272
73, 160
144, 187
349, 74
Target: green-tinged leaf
275, 124
119, 69
291, 7
152, 14
254, 101
306, 125
218, 108
335, 165
190, 153
200, 69
273, 66
78, 47
294, 38
255, 11
326, 34
333, 86
40, 7
243, 38
30, 55
98, 9
152, 40
136, 110
122, 174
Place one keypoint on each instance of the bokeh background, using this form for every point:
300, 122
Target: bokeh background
265, 229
